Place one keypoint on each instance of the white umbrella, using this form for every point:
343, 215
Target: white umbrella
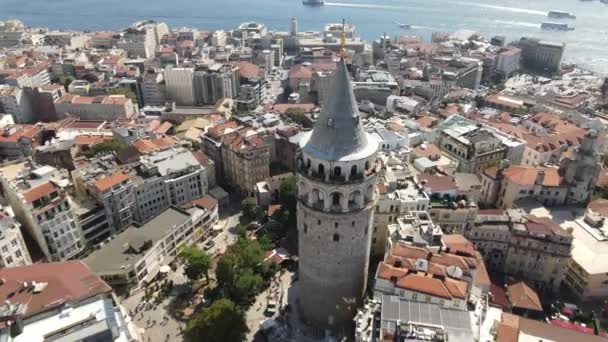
165, 269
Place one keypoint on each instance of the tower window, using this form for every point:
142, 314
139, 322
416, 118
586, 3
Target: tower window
319, 222
353, 223
335, 197
336, 237
305, 228
336, 224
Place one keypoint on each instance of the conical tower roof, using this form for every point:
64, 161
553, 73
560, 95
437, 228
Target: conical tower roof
338, 133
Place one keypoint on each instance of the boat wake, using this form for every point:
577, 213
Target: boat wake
515, 23
506, 8
351, 5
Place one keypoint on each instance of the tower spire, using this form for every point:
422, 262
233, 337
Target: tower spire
343, 40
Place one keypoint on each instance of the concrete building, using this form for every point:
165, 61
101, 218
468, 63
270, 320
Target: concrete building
61, 301
508, 61
532, 248
38, 198
396, 198
150, 245
572, 183
141, 38
216, 82
12, 32
474, 148
167, 178
179, 86
153, 88
336, 200
13, 251
446, 273
14, 101
541, 55
587, 273
36, 75
109, 108
245, 161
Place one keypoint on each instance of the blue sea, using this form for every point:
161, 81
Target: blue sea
587, 45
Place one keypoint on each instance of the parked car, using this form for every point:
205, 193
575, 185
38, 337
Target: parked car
271, 307
208, 245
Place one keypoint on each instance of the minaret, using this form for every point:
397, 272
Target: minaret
336, 200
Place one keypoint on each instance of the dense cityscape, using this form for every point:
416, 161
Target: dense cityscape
179, 184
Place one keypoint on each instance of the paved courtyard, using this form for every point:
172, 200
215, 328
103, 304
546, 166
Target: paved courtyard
154, 320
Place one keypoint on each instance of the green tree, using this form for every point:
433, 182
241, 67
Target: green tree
247, 284
250, 208
196, 263
288, 192
226, 269
298, 115
66, 81
104, 147
124, 91
221, 322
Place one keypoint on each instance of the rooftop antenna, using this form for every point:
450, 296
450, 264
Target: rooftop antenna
343, 41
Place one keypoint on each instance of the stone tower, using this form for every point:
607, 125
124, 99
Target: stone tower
336, 198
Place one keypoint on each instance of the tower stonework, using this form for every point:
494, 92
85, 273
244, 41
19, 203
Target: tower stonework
337, 171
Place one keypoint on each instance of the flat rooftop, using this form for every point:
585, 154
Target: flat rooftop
457, 324
123, 249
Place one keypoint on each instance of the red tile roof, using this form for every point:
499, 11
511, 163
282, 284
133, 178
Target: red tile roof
39, 192
206, 202
300, 71
523, 297
248, 70
67, 282
107, 182
527, 175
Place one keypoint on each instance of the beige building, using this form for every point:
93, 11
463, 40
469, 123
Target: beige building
587, 273
38, 197
572, 183
525, 246
13, 251
108, 108
396, 199
245, 161
134, 256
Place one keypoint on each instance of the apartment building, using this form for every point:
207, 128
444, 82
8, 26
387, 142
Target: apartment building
445, 274
397, 198
172, 177
216, 82
140, 39
61, 301
109, 108
474, 148
587, 273
38, 197
153, 88
245, 161
33, 76
533, 248
135, 256
13, 251
14, 101
179, 86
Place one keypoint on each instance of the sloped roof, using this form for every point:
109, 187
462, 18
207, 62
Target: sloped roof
38, 192
523, 297
67, 282
338, 133
107, 182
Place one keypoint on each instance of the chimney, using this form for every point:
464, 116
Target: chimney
540, 177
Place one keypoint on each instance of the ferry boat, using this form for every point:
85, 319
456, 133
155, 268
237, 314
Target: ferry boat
560, 15
404, 26
556, 26
313, 2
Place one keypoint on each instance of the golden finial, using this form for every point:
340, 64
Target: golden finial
343, 40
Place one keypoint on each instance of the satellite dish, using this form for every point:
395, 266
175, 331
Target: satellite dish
454, 272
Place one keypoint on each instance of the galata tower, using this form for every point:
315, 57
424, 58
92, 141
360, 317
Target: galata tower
336, 198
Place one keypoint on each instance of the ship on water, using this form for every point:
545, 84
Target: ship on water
313, 2
560, 15
556, 26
